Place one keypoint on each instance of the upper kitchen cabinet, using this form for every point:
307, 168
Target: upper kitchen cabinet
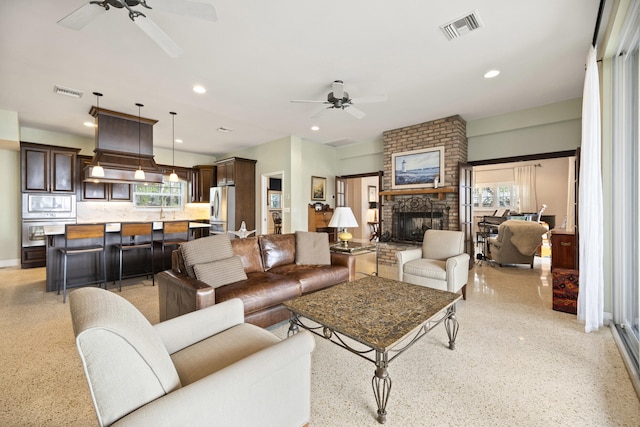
204, 179
100, 191
226, 172
48, 168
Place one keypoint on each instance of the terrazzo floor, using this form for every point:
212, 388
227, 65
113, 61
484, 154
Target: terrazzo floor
516, 363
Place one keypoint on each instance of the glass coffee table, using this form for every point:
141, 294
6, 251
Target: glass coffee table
385, 317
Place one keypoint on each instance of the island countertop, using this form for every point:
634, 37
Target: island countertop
114, 227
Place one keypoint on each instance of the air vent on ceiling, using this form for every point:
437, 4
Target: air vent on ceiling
61, 90
461, 26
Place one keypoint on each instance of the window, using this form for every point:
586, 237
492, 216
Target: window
494, 195
165, 195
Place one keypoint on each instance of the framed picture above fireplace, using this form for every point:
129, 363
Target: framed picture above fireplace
417, 168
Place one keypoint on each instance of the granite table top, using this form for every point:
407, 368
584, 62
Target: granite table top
374, 311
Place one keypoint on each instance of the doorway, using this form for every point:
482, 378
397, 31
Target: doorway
361, 193
273, 213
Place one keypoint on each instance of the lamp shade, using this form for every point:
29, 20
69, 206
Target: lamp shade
343, 217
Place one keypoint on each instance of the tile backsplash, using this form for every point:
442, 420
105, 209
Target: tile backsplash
88, 212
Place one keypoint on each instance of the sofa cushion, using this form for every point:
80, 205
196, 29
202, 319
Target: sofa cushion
430, 268
314, 277
277, 249
260, 291
222, 272
312, 248
205, 250
249, 252
221, 350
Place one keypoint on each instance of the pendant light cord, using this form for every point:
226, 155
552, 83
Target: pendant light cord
173, 136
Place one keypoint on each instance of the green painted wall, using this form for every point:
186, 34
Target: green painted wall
10, 208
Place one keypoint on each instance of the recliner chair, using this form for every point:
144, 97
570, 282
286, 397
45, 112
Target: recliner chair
441, 263
516, 242
204, 368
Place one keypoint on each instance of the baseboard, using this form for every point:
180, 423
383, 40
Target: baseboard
9, 263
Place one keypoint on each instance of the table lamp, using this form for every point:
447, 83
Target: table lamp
342, 218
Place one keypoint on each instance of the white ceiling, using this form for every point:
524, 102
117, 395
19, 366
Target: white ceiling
260, 54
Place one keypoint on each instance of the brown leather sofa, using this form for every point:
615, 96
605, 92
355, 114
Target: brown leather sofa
272, 278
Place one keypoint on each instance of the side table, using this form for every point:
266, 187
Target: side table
354, 249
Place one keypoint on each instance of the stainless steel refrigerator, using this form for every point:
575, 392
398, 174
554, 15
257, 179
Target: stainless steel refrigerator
223, 209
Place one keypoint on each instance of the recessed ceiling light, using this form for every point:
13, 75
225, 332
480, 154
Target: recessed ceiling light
199, 89
90, 124
179, 141
491, 74
315, 128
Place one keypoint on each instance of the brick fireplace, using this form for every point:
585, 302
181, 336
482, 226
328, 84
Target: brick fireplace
430, 210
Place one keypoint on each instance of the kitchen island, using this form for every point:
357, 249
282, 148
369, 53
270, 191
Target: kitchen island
82, 268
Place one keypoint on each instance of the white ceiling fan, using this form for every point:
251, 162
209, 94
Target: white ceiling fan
339, 99
80, 17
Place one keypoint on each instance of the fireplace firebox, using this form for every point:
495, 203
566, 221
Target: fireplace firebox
412, 216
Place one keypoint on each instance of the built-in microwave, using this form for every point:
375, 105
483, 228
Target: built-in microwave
46, 206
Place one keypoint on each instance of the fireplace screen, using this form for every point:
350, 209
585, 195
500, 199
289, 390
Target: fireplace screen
413, 216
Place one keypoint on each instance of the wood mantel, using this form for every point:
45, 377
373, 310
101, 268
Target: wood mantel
441, 192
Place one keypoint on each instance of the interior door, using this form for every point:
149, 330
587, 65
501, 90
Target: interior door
465, 197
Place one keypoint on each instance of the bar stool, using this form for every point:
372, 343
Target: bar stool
85, 239
174, 233
134, 236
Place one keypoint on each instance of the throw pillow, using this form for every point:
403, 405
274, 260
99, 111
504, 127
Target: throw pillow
312, 248
205, 250
220, 273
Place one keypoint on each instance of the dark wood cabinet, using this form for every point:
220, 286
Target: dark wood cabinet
563, 249
240, 173
100, 191
48, 169
226, 171
204, 177
35, 256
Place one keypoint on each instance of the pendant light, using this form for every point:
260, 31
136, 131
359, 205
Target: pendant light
174, 176
139, 173
97, 171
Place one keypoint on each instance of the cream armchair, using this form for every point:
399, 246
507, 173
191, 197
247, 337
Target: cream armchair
441, 263
205, 368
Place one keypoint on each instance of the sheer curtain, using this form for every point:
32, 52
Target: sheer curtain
590, 212
525, 178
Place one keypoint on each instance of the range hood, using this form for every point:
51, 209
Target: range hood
123, 143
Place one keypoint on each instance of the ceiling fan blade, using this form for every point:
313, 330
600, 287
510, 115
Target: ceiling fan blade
80, 17
338, 89
312, 102
370, 99
354, 112
192, 9
321, 113
160, 37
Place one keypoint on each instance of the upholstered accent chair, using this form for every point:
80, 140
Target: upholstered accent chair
440, 263
204, 368
516, 242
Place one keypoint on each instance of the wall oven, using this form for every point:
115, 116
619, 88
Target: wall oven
39, 210
33, 231
48, 206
